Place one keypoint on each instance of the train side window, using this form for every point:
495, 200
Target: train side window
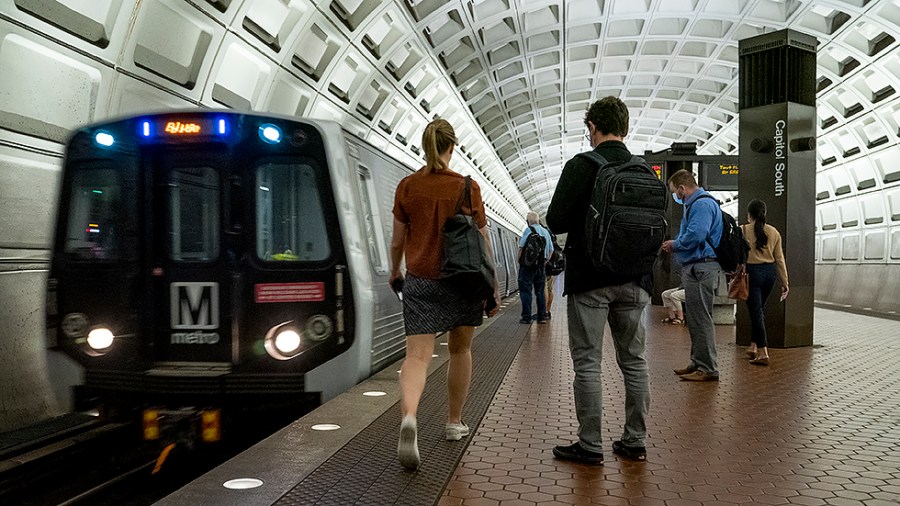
91, 230
194, 214
290, 222
372, 218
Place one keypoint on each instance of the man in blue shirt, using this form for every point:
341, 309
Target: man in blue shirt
532, 278
701, 229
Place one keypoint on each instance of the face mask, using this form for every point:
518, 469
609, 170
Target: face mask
676, 199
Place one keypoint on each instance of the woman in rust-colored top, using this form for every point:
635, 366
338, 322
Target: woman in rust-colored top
422, 204
765, 264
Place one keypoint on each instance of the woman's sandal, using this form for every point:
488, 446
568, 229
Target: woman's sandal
673, 321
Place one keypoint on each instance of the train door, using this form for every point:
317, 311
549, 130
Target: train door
191, 315
499, 259
510, 242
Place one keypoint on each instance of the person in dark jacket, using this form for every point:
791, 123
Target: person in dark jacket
594, 296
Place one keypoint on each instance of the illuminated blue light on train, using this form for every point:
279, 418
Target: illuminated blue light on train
145, 128
104, 139
223, 127
270, 133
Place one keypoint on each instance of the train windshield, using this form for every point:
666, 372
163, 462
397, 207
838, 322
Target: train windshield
91, 231
194, 214
290, 223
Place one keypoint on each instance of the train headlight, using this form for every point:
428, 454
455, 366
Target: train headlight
287, 342
100, 338
270, 133
319, 327
104, 139
284, 341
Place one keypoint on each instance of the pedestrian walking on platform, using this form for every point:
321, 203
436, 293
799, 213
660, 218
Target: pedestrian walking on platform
422, 204
765, 262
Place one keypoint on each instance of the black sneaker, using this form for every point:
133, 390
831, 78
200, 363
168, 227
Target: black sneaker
638, 453
578, 454
526, 321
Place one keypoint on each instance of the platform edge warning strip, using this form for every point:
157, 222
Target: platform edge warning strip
366, 471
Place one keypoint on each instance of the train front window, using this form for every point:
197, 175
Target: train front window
194, 214
91, 232
290, 223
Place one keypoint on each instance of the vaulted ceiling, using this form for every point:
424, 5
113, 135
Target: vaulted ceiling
514, 77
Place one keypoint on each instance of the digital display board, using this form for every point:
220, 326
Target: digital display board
189, 126
720, 174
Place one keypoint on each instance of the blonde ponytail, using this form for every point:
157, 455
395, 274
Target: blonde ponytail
437, 138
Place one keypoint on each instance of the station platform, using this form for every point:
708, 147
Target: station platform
819, 426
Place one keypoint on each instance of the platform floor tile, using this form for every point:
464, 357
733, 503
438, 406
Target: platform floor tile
819, 426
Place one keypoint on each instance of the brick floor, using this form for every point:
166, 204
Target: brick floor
819, 426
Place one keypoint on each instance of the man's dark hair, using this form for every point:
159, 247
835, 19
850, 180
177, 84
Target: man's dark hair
609, 115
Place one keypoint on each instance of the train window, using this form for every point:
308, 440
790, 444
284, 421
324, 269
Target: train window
372, 220
91, 230
290, 223
194, 214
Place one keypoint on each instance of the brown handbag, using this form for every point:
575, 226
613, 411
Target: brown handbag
739, 286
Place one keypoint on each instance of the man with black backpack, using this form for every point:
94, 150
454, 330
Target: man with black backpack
612, 206
535, 247
694, 248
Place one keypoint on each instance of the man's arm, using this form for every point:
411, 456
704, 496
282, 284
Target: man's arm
698, 226
571, 180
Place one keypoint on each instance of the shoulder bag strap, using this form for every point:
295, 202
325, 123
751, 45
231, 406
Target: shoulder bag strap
465, 196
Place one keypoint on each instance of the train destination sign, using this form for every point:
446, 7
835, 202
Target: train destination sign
720, 175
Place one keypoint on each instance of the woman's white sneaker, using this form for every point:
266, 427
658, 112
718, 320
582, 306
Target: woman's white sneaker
408, 446
457, 431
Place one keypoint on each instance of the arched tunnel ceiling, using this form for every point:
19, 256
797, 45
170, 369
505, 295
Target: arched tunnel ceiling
513, 76
529, 69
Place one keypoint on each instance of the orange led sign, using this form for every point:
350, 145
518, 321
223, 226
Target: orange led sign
179, 128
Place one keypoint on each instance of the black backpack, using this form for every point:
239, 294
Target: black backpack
626, 219
533, 251
733, 247
556, 264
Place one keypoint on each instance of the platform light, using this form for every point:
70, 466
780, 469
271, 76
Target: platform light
242, 483
325, 426
100, 338
375, 393
270, 133
104, 139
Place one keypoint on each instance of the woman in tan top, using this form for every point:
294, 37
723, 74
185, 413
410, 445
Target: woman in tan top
764, 261
422, 203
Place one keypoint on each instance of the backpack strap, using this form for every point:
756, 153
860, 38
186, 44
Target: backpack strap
688, 211
595, 157
600, 160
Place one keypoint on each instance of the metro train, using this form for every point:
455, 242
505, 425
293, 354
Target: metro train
209, 261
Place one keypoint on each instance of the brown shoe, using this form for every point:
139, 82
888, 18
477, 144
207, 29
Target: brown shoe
760, 361
687, 370
700, 376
